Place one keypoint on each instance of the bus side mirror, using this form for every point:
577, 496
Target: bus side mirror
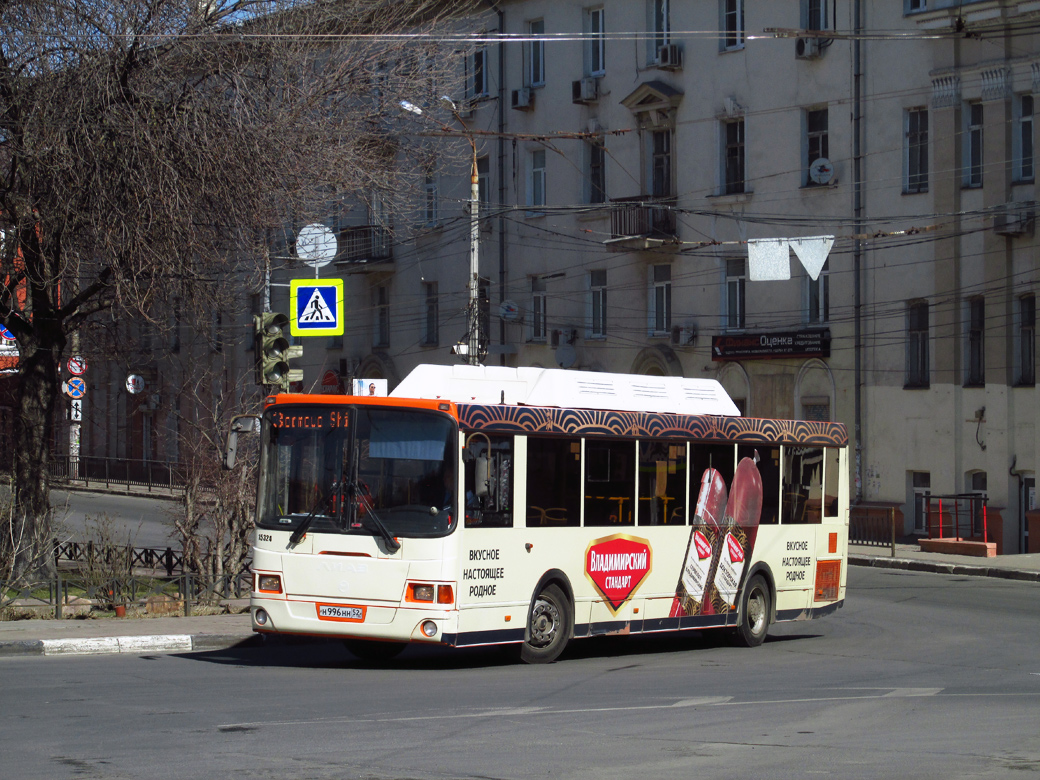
242, 423
480, 476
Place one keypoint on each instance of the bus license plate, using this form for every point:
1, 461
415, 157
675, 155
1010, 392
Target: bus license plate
341, 612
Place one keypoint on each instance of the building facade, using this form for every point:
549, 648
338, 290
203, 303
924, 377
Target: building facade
642, 164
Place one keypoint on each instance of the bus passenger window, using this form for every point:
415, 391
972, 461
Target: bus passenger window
832, 470
803, 484
610, 481
769, 468
709, 456
553, 482
488, 463
662, 483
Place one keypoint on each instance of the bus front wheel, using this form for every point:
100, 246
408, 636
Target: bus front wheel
754, 612
549, 626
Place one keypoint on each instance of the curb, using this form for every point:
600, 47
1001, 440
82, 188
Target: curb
162, 643
944, 568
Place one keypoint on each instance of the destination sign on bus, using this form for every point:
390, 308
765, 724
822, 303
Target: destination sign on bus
314, 419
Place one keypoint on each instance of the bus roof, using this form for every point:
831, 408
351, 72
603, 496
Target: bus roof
572, 389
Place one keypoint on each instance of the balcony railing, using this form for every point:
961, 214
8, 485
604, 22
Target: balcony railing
365, 244
643, 216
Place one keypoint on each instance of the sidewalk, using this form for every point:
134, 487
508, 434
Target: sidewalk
909, 556
218, 632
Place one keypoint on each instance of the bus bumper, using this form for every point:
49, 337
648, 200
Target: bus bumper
392, 623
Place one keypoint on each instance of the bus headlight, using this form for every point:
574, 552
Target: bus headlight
269, 583
260, 616
429, 628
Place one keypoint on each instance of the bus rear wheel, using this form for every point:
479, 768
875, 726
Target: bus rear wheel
371, 650
754, 612
549, 626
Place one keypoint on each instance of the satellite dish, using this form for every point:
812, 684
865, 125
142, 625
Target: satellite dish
821, 171
509, 311
566, 356
316, 245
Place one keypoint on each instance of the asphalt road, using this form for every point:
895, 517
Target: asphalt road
147, 522
919, 676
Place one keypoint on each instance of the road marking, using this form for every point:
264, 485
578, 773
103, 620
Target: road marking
708, 701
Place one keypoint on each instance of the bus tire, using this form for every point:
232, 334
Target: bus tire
550, 624
755, 608
371, 650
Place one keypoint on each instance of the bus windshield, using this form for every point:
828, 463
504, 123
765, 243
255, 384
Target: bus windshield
352, 469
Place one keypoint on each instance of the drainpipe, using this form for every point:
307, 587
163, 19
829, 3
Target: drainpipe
501, 177
857, 251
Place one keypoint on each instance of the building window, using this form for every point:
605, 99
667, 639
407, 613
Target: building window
660, 27
1023, 140
430, 203
431, 330
597, 305
1025, 351
819, 297
477, 81
483, 177
976, 343
733, 169
596, 156
595, 43
973, 146
660, 303
917, 345
814, 15
661, 163
736, 276
536, 189
381, 308
537, 309
536, 53
816, 143
917, 150
916, 5
732, 24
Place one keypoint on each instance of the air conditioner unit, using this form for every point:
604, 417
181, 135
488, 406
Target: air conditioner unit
523, 99
807, 48
1014, 219
584, 91
466, 107
669, 57
684, 335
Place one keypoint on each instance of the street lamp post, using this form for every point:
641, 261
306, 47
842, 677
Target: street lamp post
473, 341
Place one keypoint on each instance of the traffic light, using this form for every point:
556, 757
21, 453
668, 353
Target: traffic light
273, 351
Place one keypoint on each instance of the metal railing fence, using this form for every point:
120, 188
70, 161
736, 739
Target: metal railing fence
184, 591
94, 470
873, 526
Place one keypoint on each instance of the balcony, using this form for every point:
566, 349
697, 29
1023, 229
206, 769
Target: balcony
642, 222
361, 245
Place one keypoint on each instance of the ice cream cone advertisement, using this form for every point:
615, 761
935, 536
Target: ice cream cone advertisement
696, 573
740, 527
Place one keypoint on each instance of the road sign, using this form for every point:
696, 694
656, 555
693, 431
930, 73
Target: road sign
77, 365
317, 307
76, 410
75, 387
135, 384
316, 245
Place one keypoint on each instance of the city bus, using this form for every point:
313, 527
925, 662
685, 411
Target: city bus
480, 505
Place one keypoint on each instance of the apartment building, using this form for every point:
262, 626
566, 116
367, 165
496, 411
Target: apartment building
641, 166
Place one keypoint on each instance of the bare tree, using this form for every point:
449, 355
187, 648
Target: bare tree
147, 144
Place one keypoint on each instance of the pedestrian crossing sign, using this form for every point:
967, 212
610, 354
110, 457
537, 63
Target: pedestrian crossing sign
317, 307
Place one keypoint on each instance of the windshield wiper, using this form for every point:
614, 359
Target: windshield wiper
361, 496
301, 529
